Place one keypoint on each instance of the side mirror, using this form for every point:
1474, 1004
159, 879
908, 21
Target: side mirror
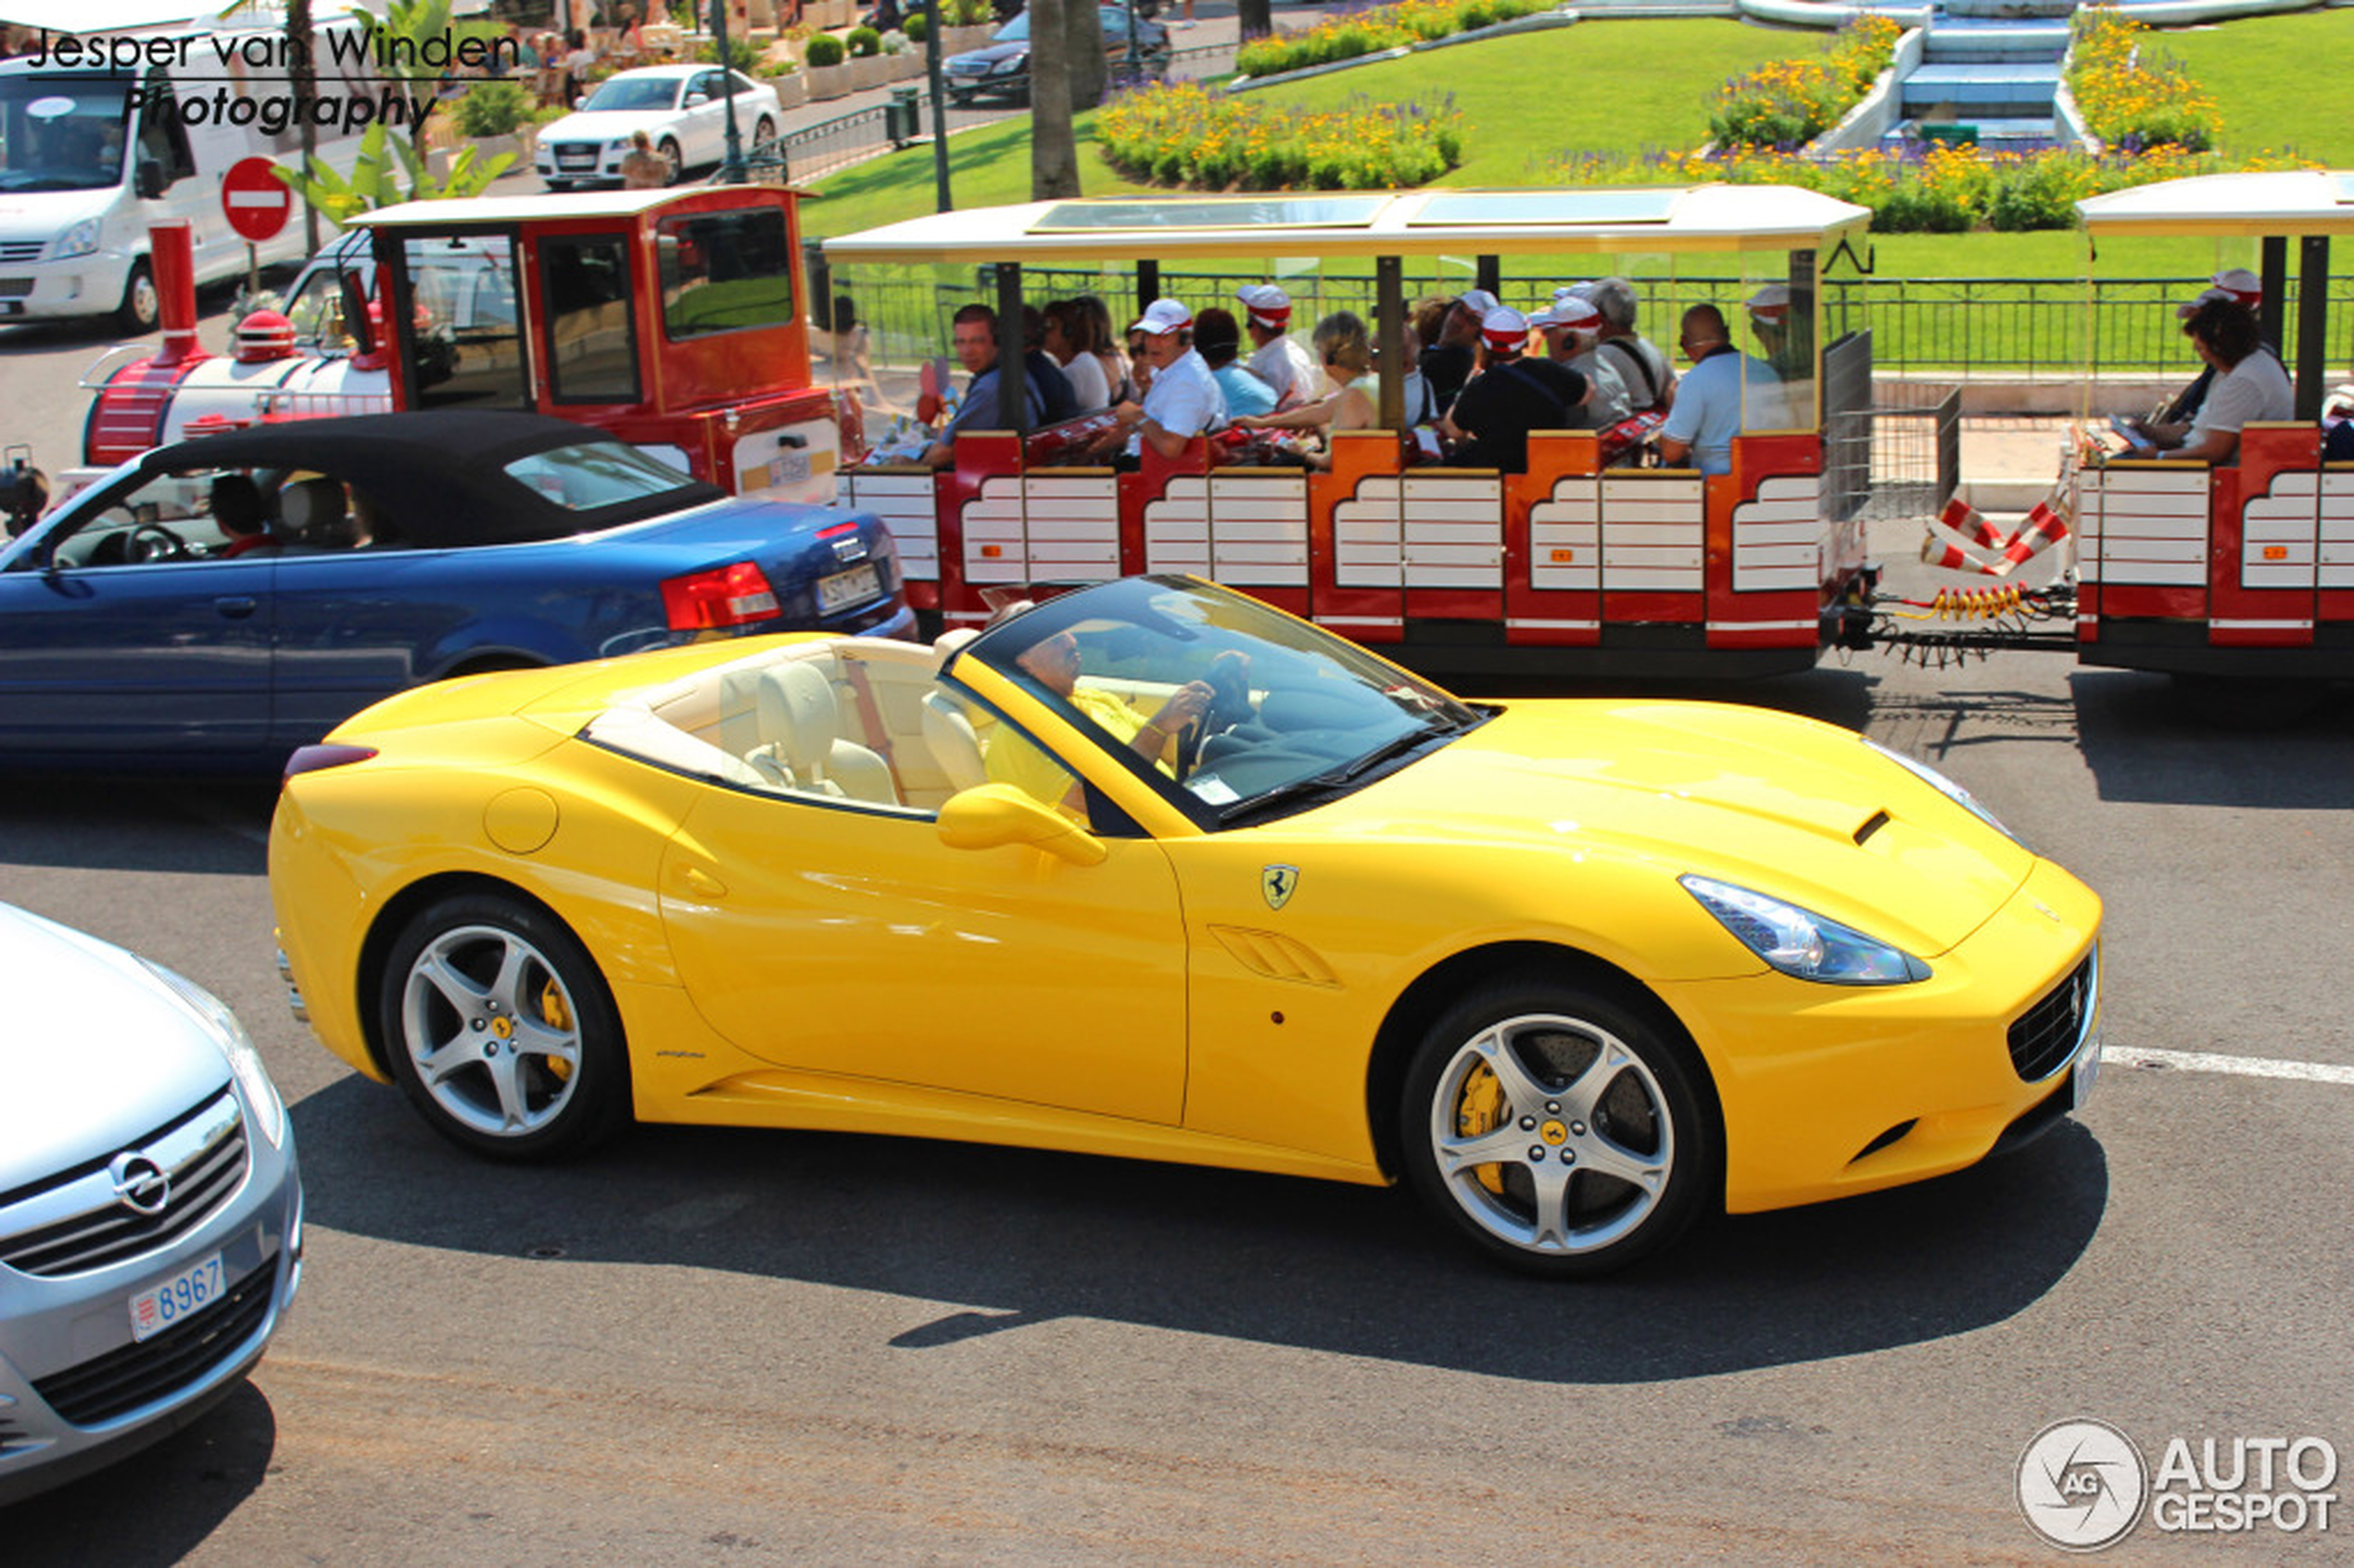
147, 182
354, 315
697, 98
992, 816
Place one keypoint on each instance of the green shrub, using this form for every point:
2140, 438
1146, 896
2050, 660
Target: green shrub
1186, 137
825, 50
1365, 33
968, 13
494, 108
1783, 103
916, 25
865, 41
742, 53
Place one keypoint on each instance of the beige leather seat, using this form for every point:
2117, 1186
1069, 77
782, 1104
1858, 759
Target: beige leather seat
954, 746
802, 748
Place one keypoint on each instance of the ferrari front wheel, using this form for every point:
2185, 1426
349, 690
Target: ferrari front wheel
499, 1029
1559, 1130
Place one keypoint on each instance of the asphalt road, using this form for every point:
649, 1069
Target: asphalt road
710, 1346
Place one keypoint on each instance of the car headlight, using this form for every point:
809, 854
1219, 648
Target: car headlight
80, 240
1012, 64
1946, 787
1800, 943
261, 1095
618, 145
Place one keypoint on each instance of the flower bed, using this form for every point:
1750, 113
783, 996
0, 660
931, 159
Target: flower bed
2130, 96
1784, 103
1182, 135
1369, 33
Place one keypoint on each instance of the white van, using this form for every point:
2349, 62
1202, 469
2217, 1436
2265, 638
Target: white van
91, 155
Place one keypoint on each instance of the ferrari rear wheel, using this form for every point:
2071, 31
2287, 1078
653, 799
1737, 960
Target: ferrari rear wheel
499, 1029
1559, 1130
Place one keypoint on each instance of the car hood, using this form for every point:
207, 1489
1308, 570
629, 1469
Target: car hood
988, 57
44, 215
98, 1053
609, 125
1787, 806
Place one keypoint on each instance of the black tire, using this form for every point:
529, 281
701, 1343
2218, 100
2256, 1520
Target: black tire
1604, 1090
502, 1032
141, 307
668, 148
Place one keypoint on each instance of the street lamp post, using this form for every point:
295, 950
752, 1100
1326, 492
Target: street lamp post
732, 168
939, 81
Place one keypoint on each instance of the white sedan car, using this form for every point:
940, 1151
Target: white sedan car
682, 109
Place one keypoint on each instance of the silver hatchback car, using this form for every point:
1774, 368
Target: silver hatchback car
150, 1208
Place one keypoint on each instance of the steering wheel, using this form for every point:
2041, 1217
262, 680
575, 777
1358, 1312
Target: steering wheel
151, 542
1229, 705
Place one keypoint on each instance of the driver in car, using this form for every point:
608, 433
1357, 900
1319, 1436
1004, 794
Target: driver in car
1054, 664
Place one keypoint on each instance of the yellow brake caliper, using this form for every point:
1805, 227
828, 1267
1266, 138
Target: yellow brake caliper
1479, 1109
557, 1014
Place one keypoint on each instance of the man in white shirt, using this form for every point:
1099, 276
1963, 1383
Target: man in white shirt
1277, 360
1573, 330
1184, 401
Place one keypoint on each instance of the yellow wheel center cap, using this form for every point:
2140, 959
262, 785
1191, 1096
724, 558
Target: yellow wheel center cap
1555, 1133
502, 1028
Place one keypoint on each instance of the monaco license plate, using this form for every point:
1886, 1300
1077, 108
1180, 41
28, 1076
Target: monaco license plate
845, 588
178, 1298
2088, 1068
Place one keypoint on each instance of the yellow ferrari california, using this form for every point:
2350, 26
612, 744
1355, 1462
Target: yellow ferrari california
1153, 870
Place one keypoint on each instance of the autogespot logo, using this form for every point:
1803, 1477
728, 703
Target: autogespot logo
2081, 1484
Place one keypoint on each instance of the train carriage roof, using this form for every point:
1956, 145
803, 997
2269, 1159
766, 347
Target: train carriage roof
1550, 222
2295, 201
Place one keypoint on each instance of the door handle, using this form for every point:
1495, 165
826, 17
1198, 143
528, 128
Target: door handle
703, 882
237, 606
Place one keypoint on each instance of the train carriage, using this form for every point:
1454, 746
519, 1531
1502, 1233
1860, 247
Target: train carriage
1585, 563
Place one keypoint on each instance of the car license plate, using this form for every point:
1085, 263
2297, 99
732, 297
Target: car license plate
844, 589
789, 467
177, 1299
2088, 1068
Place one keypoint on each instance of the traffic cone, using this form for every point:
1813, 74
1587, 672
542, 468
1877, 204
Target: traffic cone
2045, 529
1970, 524
1953, 557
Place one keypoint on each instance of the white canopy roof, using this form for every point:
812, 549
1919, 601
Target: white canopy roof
1548, 223
2298, 201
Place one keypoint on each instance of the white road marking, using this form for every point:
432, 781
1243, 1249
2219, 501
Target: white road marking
2212, 1061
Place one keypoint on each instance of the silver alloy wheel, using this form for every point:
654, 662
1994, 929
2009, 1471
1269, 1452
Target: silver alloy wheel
1551, 1134
491, 1029
142, 301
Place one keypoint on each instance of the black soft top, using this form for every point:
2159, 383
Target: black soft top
438, 474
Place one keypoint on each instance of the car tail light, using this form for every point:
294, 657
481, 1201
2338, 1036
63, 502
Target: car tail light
311, 759
728, 596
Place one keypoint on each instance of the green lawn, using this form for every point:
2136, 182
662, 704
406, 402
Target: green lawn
2270, 103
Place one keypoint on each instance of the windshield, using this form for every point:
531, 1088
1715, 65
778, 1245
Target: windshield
61, 134
639, 93
1291, 715
1014, 32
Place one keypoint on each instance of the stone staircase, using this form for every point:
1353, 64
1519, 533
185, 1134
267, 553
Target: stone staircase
1986, 80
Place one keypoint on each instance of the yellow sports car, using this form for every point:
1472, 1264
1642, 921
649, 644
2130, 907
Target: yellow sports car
1153, 870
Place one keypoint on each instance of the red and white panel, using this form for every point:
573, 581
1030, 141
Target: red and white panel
1258, 529
1177, 528
1565, 537
2278, 533
906, 505
1454, 531
996, 544
1073, 525
1653, 534
1369, 536
2149, 527
2333, 565
1779, 539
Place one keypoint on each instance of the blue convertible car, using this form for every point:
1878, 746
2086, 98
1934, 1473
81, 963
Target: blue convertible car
218, 602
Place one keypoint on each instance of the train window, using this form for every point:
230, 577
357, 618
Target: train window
725, 272
591, 345
465, 356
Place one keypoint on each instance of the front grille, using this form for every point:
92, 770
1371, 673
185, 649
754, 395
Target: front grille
2049, 1032
122, 1380
205, 1156
575, 157
15, 288
20, 250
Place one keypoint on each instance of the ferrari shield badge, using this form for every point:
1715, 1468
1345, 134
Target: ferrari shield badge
1277, 882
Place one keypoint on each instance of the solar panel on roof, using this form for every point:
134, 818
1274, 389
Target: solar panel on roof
1239, 212
1489, 209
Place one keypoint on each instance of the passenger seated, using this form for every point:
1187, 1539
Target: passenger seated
1054, 664
240, 513
2250, 383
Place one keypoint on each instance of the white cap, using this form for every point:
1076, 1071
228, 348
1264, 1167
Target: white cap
1504, 328
1572, 291
1479, 302
1770, 303
1162, 317
1268, 305
2241, 286
1571, 311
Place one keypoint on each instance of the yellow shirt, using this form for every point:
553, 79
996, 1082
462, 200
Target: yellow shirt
1013, 759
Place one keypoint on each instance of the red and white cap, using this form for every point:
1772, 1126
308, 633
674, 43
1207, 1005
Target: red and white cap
1162, 317
1270, 307
2238, 284
1504, 328
1771, 303
1573, 311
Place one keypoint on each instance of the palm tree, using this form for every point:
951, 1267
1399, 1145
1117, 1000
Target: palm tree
1054, 152
1083, 42
1257, 17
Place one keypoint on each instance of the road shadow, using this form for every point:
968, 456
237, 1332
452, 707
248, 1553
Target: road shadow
2143, 745
157, 1507
1012, 1237
138, 824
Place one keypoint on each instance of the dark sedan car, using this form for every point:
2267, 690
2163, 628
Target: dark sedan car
1002, 70
223, 601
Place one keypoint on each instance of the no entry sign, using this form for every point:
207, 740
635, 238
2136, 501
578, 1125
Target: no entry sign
257, 201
